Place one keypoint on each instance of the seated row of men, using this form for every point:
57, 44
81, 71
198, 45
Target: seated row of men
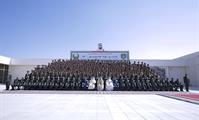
97, 83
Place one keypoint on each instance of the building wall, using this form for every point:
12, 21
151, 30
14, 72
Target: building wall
193, 71
4, 68
3, 73
19, 70
19, 67
4, 60
176, 72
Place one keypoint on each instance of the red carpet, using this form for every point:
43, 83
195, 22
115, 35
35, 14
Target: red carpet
191, 96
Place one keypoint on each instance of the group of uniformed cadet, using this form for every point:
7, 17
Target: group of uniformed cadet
95, 75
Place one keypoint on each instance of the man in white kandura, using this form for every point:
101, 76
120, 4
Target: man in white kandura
100, 84
109, 84
92, 83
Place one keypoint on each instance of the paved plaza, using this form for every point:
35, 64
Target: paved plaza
96, 106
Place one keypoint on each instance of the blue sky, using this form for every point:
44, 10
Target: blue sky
149, 29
